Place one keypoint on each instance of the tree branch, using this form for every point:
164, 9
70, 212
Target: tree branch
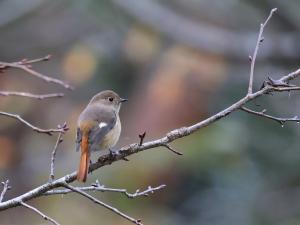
253, 58
25, 65
29, 95
95, 200
6, 187
39, 213
280, 120
135, 148
102, 188
39, 130
58, 141
286, 89
31, 61
172, 150
126, 151
142, 137
290, 76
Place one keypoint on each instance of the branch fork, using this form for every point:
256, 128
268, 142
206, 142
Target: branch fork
6, 187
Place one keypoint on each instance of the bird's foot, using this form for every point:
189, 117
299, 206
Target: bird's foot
91, 162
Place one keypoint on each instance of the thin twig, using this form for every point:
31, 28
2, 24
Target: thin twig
39, 212
172, 149
6, 187
145, 192
58, 141
25, 65
285, 89
102, 188
39, 130
280, 120
142, 137
30, 95
95, 200
44, 77
253, 57
31, 61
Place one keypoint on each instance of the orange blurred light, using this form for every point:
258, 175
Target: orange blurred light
7, 152
79, 64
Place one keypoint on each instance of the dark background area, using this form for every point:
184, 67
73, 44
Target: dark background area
178, 62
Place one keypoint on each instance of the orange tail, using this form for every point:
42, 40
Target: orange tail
84, 160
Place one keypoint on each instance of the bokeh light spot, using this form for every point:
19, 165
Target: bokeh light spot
79, 64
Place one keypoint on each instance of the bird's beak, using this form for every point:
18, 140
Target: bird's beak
123, 100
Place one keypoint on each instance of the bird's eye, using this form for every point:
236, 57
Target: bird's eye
110, 99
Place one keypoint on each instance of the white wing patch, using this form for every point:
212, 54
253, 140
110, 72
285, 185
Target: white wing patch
102, 124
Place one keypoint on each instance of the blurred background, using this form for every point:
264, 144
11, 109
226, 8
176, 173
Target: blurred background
178, 62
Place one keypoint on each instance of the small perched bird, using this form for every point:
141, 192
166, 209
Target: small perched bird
98, 128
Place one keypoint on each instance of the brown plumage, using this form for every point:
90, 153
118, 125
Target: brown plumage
98, 128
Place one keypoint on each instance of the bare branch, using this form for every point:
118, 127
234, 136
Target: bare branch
31, 61
95, 200
277, 83
58, 141
6, 187
253, 57
29, 95
39, 130
44, 77
102, 188
39, 212
135, 148
172, 149
280, 120
291, 76
142, 137
146, 192
25, 65
285, 89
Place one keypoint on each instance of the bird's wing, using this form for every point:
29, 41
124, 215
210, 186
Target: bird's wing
107, 123
78, 138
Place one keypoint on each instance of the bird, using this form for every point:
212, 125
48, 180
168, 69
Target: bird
98, 128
